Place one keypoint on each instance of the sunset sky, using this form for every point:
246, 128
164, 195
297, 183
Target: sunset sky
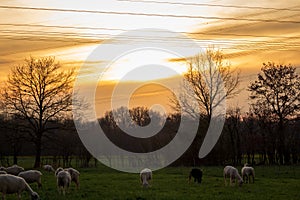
249, 33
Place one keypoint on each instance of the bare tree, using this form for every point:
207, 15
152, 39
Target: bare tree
114, 122
140, 115
39, 91
208, 81
208, 75
232, 128
277, 92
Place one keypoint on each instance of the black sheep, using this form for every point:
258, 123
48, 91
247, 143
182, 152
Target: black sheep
196, 174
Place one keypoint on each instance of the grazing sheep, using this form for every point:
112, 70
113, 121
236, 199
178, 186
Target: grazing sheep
3, 172
196, 174
48, 168
63, 181
74, 176
246, 173
14, 170
58, 170
146, 176
32, 176
233, 174
10, 184
246, 165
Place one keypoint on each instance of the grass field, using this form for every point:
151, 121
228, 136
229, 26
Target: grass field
272, 182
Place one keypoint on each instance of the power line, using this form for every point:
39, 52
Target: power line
233, 46
92, 38
65, 27
211, 5
180, 32
150, 14
71, 35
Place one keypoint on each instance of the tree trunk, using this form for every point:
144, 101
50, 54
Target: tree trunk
238, 146
287, 156
38, 145
281, 148
15, 158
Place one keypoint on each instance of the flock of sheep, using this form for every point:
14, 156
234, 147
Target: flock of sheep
229, 172
15, 179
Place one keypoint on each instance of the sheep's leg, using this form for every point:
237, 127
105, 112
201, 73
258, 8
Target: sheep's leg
232, 179
40, 183
77, 185
225, 179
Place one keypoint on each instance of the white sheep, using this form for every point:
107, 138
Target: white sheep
247, 172
10, 184
48, 168
63, 181
14, 170
145, 176
3, 172
233, 174
58, 170
74, 176
32, 176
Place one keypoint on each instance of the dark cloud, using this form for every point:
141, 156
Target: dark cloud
15, 49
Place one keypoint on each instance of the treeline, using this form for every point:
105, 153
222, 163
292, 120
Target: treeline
60, 147
245, 138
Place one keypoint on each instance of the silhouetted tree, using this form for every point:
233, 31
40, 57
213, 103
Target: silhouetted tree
277, 92
208, 74
232, 128
140, 116
208, 81
39, 91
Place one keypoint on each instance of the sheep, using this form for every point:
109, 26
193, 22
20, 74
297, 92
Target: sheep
246, 173
233, 174
63, 181
3, 172
32, 176
196, 174
145, 176
73, 172
58, 170
10, 184
246, 165
74, 176
48, 168
14, 170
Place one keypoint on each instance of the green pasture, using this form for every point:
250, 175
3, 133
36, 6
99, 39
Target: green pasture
272, 182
